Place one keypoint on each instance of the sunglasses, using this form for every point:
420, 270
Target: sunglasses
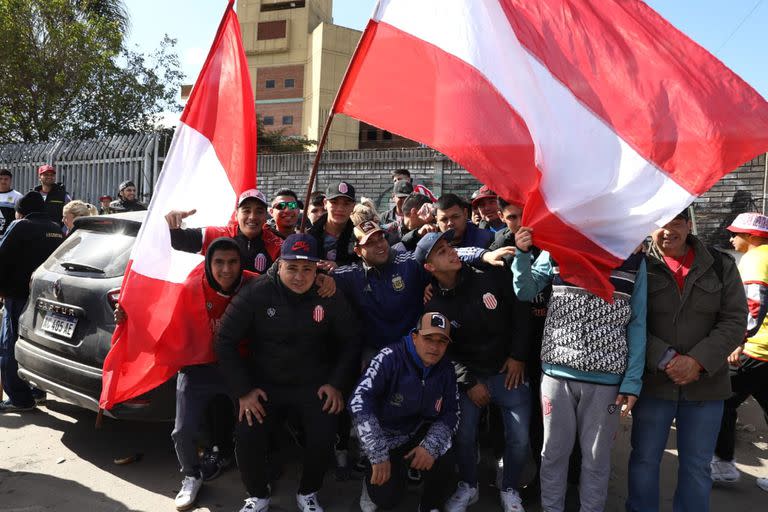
282, 205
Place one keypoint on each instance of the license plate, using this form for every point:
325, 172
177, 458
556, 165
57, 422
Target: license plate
63, 325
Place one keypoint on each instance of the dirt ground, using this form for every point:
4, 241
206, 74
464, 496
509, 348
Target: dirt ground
54, 459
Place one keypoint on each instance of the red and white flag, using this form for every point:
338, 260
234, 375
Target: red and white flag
601, 116
212, 159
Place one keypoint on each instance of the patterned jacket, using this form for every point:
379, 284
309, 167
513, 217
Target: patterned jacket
397, 395
585, 337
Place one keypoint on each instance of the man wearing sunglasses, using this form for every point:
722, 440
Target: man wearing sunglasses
284, 210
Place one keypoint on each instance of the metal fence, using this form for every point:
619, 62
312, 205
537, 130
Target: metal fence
90, 168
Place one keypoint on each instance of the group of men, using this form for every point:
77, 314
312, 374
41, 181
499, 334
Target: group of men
410, 326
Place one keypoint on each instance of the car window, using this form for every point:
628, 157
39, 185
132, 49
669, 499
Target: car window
101, 254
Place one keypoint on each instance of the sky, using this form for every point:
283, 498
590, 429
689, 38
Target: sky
735, 31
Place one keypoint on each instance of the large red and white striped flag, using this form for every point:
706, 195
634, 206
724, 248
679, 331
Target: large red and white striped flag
599, 115
212, 159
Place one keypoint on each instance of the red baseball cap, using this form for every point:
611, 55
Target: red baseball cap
45, 168
482, 193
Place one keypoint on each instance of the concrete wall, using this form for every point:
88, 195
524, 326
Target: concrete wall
369, 171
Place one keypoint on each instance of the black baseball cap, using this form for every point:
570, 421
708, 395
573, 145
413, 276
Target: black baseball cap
340, 189
427, 243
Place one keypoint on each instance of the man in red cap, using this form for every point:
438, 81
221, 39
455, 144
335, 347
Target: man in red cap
104, 201
749, 362
54, 194
486, 203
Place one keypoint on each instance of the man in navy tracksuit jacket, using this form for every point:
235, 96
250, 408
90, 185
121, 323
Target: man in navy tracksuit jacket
405, 410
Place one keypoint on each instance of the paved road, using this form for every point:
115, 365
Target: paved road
53, 459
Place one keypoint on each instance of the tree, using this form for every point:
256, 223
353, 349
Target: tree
275, 141
65, 72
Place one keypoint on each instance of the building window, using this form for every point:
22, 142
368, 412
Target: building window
290, 83
287, 119
269, 84
266, 30
268, 120
371, 135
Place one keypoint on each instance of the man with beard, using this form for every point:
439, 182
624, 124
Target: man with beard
126, 199
54, 194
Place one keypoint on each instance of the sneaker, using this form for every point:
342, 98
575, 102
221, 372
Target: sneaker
724, 471
8, 406
366, 503
510, 501
40, 396
255, 505
213, 463
762, 483
343, 471
308, 502
190, 486
462, 498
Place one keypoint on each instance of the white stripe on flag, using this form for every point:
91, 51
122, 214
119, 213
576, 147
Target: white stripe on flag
591, 177
192, 178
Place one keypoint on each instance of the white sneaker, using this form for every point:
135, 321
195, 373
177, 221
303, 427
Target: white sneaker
190, 486
366, 503
762, 483
724, 471
510, 501
256, 505
308, 502
462, 498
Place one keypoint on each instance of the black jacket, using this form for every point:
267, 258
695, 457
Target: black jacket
488, 323
55, 201
345, 245
25, 245
293, 340
121, 205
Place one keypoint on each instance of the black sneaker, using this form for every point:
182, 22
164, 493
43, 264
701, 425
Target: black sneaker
40, 396
8, 406
213, 463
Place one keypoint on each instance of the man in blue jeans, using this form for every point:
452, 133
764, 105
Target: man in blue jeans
697, 315
489, 350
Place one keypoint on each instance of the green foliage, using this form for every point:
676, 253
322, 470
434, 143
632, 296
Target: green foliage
65, 72
275, 141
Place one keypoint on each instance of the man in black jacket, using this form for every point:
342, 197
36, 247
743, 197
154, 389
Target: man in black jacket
26, 244
303, 350
126, 199
54, 194
333, 231
490, 334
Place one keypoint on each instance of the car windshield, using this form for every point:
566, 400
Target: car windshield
101, 254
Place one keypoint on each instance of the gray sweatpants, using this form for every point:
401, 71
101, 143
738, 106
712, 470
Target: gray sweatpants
570, 408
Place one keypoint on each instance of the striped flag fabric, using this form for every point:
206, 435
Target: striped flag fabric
212, 159
603, 118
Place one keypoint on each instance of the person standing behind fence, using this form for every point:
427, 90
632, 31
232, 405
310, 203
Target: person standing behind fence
126, 199
105, 201
8, 199
54, 194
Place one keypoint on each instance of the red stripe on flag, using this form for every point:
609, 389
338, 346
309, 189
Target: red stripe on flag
222, 108
453, 108
669, 98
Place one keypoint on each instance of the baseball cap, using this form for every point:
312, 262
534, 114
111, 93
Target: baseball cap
124, 185
32, 202
364, 230
751, 224
102, 198
482, 193
402, 188
427, 243
434, 323
45, 168
340, 189
251, 194
299, 246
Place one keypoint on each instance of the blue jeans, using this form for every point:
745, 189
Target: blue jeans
698, 424
17, 390
515, 406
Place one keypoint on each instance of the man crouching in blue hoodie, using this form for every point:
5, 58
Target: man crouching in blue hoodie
405, 410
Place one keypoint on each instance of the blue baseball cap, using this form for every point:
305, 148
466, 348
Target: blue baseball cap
299, 246
427, 243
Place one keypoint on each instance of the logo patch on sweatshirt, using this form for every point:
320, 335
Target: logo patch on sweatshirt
490, 301
318, 314
612, 408
260, 263
439, 404
271, 312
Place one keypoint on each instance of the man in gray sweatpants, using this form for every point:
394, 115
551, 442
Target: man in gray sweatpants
592, 356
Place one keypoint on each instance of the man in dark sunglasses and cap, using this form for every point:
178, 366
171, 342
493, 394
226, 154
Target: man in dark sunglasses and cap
126, 199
